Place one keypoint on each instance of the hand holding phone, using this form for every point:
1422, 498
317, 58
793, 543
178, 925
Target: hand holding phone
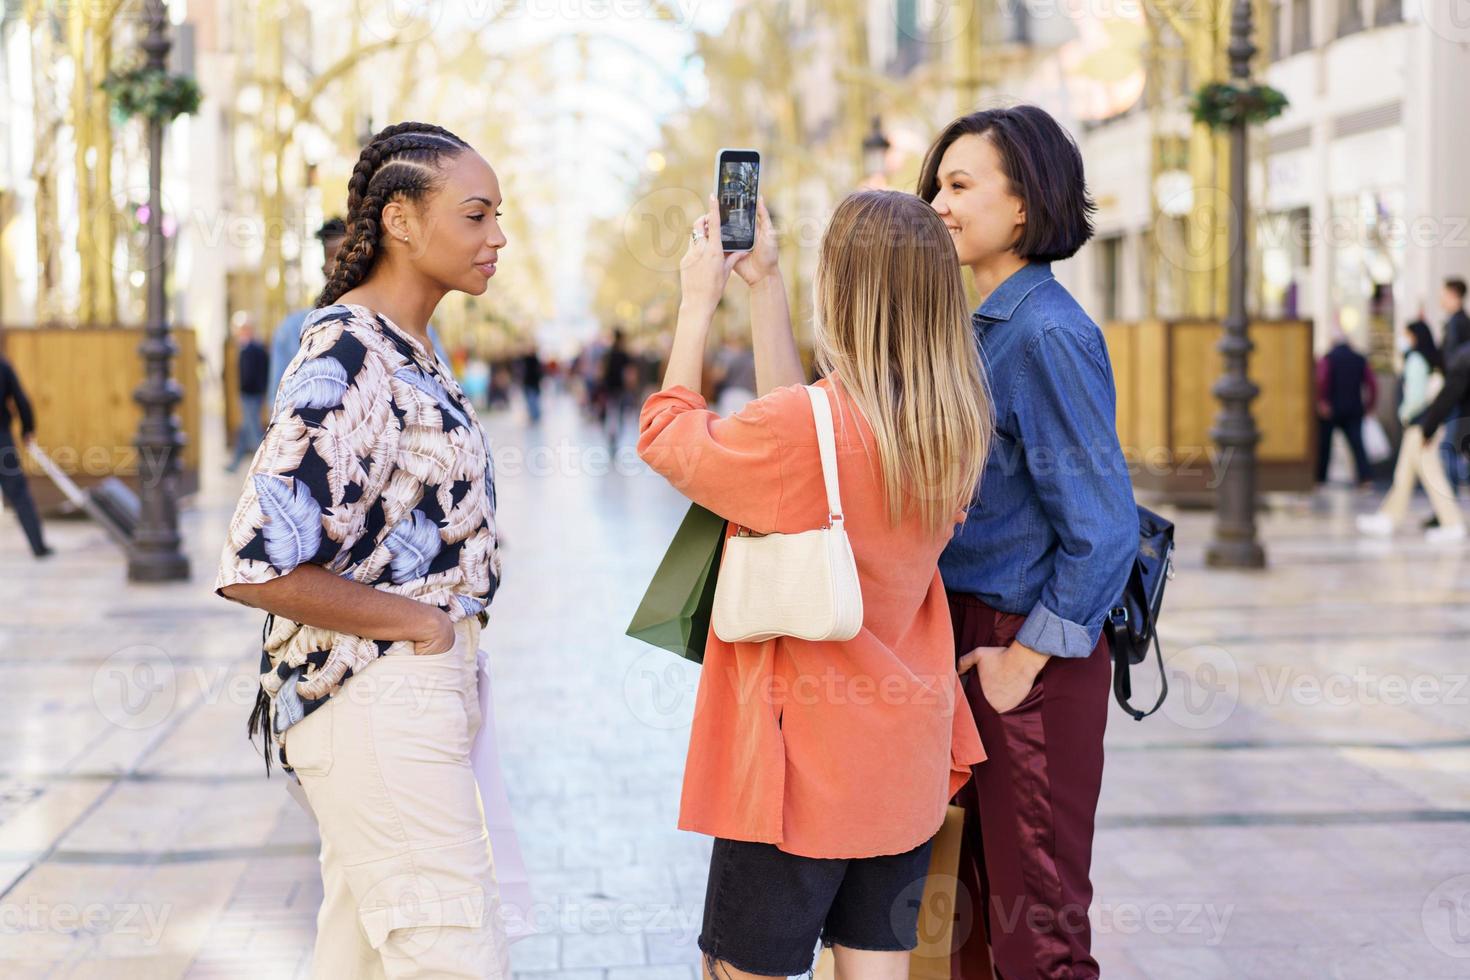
706, 266
762, 261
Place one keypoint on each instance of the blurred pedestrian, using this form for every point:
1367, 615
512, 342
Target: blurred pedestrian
13, 483
614, 384
1419, 456
1456, 338
734, 376
1346, 392
532, 375
252, 368
1453, 399
286, 341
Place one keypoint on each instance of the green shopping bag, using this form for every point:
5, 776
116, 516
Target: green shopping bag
675, 611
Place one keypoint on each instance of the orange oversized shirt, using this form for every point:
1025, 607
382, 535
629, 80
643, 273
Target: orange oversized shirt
827, 749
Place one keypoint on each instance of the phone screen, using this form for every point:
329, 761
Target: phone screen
739, 180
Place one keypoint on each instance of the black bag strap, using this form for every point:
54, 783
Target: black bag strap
1122, 685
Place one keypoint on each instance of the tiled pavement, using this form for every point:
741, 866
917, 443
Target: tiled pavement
1300, 809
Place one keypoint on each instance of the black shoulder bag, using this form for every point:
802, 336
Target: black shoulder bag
1131, 626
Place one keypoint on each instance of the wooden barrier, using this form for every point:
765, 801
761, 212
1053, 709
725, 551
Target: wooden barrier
1165, 370
81, 382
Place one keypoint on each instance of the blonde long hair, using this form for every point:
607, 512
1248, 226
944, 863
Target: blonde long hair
892, 323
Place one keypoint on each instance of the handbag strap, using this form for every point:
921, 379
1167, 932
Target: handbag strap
827, 443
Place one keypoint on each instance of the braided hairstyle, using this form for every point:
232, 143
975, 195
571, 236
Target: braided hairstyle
403, 161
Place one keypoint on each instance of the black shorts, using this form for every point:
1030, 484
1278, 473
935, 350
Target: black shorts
765, 910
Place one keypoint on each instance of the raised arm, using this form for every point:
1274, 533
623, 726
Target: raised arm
777, 362
713, 461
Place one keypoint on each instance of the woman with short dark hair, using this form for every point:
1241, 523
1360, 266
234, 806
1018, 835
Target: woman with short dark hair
1047, 547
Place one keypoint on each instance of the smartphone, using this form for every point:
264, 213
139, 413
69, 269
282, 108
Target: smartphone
737, 181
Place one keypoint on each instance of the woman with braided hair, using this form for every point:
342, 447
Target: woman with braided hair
366, 529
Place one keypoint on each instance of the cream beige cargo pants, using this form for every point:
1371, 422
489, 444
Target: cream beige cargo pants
407, 873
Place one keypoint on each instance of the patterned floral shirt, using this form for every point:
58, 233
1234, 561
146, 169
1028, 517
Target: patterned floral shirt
375, 467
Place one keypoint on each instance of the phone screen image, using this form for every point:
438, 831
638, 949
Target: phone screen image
739, 179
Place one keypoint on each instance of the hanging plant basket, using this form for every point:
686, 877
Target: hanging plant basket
151, 93
1221, 105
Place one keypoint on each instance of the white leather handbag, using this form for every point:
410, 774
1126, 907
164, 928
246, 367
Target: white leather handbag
803, 585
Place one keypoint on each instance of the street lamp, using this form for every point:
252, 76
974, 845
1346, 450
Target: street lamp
875, 155
1235, 433
155, 554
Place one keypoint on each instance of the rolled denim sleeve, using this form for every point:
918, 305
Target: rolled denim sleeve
1066, 422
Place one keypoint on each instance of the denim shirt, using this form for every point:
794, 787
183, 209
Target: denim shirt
1054, 531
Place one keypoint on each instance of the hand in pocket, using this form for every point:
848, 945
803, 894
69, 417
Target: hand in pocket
435, 634
1006, 674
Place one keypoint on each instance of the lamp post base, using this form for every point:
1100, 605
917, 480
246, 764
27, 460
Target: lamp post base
163, 567
1227, 553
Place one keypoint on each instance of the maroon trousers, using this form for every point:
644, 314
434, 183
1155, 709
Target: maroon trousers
1027, 846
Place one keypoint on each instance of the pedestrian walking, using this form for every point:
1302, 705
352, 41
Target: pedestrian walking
252, 371
533, 374
1453, 400
1347, 392
1044, 553
367, 530
1419, 460
614, 384
13, 484
1456, 338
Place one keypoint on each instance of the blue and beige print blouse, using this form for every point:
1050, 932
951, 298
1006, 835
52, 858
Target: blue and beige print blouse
375, 467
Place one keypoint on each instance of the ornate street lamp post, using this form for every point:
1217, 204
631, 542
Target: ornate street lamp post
1235, 433
155, 555
875, 156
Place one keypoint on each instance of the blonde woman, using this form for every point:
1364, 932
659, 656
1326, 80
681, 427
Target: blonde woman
822, 769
